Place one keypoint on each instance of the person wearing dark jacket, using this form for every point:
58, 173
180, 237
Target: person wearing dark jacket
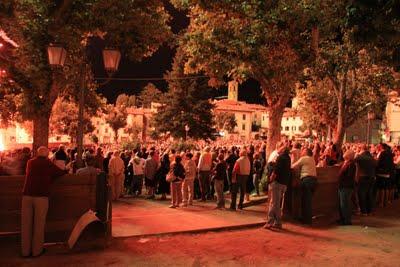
347, 179
176, 185
219, 175
366, 179
40, 173
384, 172
161, 176
279, 180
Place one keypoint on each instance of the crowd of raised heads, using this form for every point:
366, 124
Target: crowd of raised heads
148, 166
13, 162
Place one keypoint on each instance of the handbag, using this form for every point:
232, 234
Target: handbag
170, 176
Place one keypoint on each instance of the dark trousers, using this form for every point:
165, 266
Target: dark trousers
197, 191
308, 185
241, 184
345, 205
366, 194
137, 184
204, 177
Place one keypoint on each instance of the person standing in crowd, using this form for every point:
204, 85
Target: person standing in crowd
136, 170
347, 179
241, 172
90, 169
176, 185
257, 172
219, 174
99, 159
40, 173
384, 170
162, 172
316, 152
295, 153
308, 176
106, 162
127, 187
279, 179
188, 183
366, 178
230, 161
197, 190
204, 168
24, 158
116, 169
150, 170
250, 186
61, 157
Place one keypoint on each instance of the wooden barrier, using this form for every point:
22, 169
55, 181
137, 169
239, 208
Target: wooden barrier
71, 196
325, 198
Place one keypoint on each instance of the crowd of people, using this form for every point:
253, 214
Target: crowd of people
369, 175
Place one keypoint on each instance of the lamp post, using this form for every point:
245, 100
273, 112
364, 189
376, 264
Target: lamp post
57, 55
187, 129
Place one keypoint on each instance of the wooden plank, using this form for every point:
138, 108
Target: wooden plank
71, 196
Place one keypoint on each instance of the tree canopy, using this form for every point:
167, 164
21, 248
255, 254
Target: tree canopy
269, 41
347, 74
186, 103
136, 27
150, 93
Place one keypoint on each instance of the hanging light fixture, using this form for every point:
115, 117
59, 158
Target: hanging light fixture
111, 59
57, 55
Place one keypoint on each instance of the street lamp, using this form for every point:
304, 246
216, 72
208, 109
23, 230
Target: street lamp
187, 129
57, 55
111, 59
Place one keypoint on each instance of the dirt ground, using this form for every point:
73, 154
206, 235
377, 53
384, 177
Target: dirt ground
371, 241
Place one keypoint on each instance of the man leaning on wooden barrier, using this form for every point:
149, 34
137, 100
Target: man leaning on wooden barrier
308, 177
40, 173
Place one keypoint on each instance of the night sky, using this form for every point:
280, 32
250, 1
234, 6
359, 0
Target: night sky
156, 66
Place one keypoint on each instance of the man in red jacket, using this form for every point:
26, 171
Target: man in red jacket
40, 173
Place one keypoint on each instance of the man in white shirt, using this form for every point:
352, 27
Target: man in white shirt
308, 176
136, 164
204, 168
241, 172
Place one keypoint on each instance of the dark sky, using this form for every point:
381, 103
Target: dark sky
155, 67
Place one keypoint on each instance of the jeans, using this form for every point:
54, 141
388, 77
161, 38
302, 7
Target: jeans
307, 185
187, 191
137, 184
256, 182
240, 184
276, 192
204, 177
219, 189
366, 194
345, 205
176, 194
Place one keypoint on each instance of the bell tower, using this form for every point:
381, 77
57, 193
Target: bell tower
233, 90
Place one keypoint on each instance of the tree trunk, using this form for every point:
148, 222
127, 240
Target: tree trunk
40, 131
274, 126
